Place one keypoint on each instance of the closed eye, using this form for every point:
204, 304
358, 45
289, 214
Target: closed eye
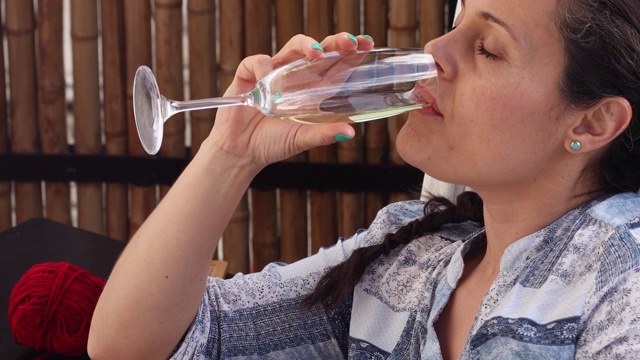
484, 52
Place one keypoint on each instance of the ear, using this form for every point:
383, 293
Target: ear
600, 124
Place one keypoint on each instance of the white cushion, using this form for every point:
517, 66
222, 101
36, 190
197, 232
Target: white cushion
434, 187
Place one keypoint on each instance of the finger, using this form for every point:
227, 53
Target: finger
250, 70
345, 42
304, 46
345, 64
298, 47
301, 46
365, 42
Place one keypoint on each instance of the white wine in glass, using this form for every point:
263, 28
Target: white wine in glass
354, 86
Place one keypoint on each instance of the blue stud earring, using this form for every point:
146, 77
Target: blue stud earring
575, 146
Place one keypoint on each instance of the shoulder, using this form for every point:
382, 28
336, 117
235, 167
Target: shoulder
395, 215
392, 217
400, 212
619, 252
621, 210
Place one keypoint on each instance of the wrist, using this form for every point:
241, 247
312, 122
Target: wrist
223, 162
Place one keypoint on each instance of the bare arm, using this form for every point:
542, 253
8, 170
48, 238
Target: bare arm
157, 284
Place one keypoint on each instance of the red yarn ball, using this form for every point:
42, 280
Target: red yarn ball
51, 306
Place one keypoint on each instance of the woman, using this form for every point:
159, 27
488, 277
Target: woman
536, 111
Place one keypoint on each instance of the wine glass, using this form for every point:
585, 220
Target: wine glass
354, 86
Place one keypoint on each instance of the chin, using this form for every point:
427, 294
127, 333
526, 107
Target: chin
409, 145
417, 148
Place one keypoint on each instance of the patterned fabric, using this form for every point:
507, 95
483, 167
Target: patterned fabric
570, 290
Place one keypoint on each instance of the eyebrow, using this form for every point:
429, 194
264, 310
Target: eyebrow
488, 17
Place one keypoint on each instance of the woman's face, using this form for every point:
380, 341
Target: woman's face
500, 118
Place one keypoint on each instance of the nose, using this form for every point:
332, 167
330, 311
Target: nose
442, 50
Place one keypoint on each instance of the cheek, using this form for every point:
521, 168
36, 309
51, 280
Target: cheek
495, 108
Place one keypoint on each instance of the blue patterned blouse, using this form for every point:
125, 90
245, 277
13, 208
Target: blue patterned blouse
570, 290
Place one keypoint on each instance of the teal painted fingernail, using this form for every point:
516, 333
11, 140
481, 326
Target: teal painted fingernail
355, 39
342, 137
368, 37
317, 46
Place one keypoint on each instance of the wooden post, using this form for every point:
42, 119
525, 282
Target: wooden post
22, 73
168, 70
137, 24
293, 203
350, 204
231, 40
5, 186
115, 115
266, 246
402, 33
86, 89
432, 16
376, 134
289, 20
236, 235
323, 204
202, 66
52, 103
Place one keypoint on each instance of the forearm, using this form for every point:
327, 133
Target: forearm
157, 284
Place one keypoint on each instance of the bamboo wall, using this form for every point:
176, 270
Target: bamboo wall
194, 47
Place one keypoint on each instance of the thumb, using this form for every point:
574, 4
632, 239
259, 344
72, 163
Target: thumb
319, 135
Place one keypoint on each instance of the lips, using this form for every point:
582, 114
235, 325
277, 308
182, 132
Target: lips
423, 95
434, 106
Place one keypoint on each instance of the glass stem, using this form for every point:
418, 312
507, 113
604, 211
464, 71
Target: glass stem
211, 103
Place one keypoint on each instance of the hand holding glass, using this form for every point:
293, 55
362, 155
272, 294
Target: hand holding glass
339, 87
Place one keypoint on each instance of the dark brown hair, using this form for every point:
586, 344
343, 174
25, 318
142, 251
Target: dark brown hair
602, 49
602, 46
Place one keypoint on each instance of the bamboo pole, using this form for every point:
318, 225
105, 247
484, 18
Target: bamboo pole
115, 116
323, 204
202, 66
266, 245
52, 116
350, 204
137, 24
376, 135
402, 23
289, 20
293, 203
5, 186
432, 19
348, 16
402, 33
169, 67
257, 23
236, 235
24, 128
231, 40
86, 89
